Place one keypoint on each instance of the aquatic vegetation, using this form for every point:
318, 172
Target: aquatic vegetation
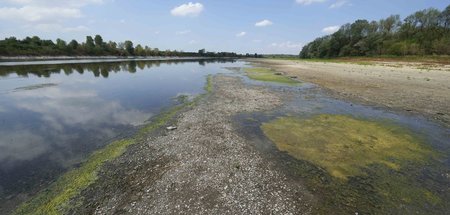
358, 165
267, 75
344, 146
208, 85
56, 198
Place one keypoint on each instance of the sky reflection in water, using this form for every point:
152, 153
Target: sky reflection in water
53, 116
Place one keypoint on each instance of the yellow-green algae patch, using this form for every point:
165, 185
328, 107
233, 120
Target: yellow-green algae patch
267, 75
356, 165
344, 145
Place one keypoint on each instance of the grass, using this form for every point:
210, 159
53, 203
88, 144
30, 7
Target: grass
267, 75
55, 199
357, 165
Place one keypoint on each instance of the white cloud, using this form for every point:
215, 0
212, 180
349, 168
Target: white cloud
57, 28
189, 9
257, 41
193, 42
241, 34
331, 29
46, 15
38, 13
56, 3
287, 44
284, 47
76, 29
339, 4
263, 23
183, 32
308, 2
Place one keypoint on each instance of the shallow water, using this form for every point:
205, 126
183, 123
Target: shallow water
359, 193
52, 116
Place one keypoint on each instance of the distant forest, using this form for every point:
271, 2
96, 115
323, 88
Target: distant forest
426, 32
35, 46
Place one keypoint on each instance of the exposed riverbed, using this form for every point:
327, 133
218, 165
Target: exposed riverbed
260, 142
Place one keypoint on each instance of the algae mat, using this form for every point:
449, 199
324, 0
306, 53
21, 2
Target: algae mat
267, 75
372, 166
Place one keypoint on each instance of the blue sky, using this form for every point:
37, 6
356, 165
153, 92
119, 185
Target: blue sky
284, 26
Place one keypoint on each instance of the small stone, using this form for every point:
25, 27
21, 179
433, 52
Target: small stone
171, 128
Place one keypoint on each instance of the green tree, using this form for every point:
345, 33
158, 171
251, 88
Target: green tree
423, 32
444, 17
61, 44
89, 45
73, 44
139, 50
390, 24
98, 40
128, 46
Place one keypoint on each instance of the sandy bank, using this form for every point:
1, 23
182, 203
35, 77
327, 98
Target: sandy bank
404, 88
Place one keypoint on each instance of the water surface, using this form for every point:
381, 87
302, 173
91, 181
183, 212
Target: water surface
53, 115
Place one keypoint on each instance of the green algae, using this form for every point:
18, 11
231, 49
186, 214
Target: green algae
267, 75
55, 199
358, 165
344, 145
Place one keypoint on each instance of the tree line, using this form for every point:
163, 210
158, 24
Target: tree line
93, 46
103, 69
425, 32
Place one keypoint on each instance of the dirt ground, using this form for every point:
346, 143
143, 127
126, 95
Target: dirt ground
202, 167
402, 87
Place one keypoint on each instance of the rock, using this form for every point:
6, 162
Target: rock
171, 128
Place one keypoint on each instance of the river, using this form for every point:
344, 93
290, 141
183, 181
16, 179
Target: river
53, 115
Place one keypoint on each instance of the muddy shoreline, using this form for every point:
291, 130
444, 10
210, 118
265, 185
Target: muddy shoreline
404, 88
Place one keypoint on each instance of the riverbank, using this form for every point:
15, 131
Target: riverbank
398, 86
202, 167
